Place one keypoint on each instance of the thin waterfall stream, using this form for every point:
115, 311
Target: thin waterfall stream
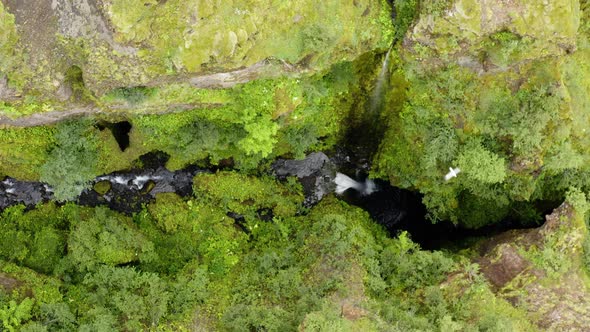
378, 91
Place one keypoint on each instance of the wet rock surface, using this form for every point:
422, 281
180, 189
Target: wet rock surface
29, 193
389, 206
316, 173
128, 192
125, 192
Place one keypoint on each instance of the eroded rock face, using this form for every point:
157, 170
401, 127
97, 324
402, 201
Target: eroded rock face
543, 264
460, 32
83, 19
118, 43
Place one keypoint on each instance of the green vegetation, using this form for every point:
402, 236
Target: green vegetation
24, 150
249, 123
71, 164
513, 143
123, 44
184, 261
498, 89
241, 33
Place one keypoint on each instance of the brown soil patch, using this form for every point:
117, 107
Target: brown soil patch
9, 284
503, 265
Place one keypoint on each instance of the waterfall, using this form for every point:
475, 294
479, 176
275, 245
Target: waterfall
380, 85
343, 183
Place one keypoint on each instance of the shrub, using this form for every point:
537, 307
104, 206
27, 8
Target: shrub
72, 162
105, 237
481, 165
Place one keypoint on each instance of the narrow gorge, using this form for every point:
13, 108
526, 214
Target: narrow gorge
366, 165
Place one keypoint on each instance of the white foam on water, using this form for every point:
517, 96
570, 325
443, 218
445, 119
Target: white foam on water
120, 180
344, 182
370, 187
47, 188
9, 182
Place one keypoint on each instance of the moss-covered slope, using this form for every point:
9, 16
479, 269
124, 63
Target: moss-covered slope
498, 90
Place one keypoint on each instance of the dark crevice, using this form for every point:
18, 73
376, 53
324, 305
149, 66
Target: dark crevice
152, 160
400, 210
239, 222
120, 131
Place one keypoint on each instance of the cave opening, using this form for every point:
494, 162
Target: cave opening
120, 131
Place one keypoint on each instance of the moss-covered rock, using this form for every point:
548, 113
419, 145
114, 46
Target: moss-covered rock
497, 32
130, 43
542, 269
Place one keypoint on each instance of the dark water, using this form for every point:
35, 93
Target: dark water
125, 191
400, 210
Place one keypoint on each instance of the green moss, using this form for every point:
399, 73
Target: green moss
131, 96
449, 32
102, 187
10, 54
24, 150
240, 34
171, 213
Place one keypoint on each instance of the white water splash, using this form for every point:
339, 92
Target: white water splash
47, 188
344, 182
120, 180
140, 180
9, 182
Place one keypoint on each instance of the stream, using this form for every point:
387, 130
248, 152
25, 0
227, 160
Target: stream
320, 175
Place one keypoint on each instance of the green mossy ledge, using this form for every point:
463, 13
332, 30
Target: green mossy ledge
132, 43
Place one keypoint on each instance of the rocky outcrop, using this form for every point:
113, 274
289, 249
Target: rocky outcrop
316, 173
6, 93
120, 44
541, 271
504, 32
